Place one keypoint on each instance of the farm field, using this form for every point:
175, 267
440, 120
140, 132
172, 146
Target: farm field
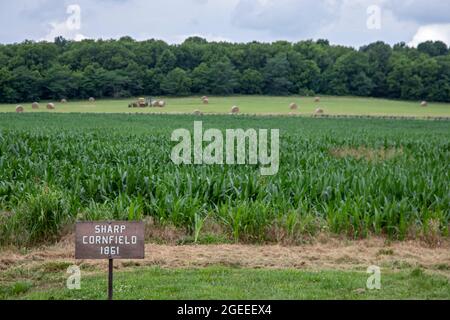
354, 177
254, 105
231, 233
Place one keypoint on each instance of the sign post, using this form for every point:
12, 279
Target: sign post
110, 279
109, 240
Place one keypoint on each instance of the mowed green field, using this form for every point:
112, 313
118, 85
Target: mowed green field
255, 105
226, 283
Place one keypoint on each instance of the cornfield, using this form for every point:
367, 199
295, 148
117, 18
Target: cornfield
344, 176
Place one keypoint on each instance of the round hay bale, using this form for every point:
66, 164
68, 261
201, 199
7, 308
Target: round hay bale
424, 104
317, 99
206, 101
50, 106
319, 111
63, 101
19, 109
197, 112
35, 105
293, 106
162, 104
235, 110
91, 99
141, 102
130, 105
155, 103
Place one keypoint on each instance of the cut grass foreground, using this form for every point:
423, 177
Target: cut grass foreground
253, 105
226, 283
332, 269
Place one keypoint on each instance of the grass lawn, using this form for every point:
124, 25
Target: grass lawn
235, 283
256, 105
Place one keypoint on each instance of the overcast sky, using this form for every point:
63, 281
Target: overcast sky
347, 22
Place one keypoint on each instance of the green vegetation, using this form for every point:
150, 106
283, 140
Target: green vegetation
254, 105
346, 176
238, 284
32, 71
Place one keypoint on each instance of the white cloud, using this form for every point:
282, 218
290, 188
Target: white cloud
432, 32
283, 18
422, 11
340, 21
70, 28
62, 29
350, 25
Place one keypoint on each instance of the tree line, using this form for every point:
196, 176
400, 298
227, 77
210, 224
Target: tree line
33, 71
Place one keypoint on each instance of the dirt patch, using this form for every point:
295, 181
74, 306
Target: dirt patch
334, 254
366, 153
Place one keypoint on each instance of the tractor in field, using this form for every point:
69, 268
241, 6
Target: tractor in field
147, 102
140, 103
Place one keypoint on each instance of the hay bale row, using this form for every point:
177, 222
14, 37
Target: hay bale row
138, 105
205, 100
235, 110
159, 104
34, 106
142, 103
319, 111
293, 106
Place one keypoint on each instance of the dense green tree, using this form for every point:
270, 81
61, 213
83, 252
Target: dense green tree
304, 73
26, 84
251, 82
126, 67
167, 61
361, 85
378, 54
152, 82
60, 83
223, 78
176, 83
200, 79
190, 54
349, 75
433, 48
401, 70
276, 74
7, 93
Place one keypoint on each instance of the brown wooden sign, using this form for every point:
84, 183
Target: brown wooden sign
109, 240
